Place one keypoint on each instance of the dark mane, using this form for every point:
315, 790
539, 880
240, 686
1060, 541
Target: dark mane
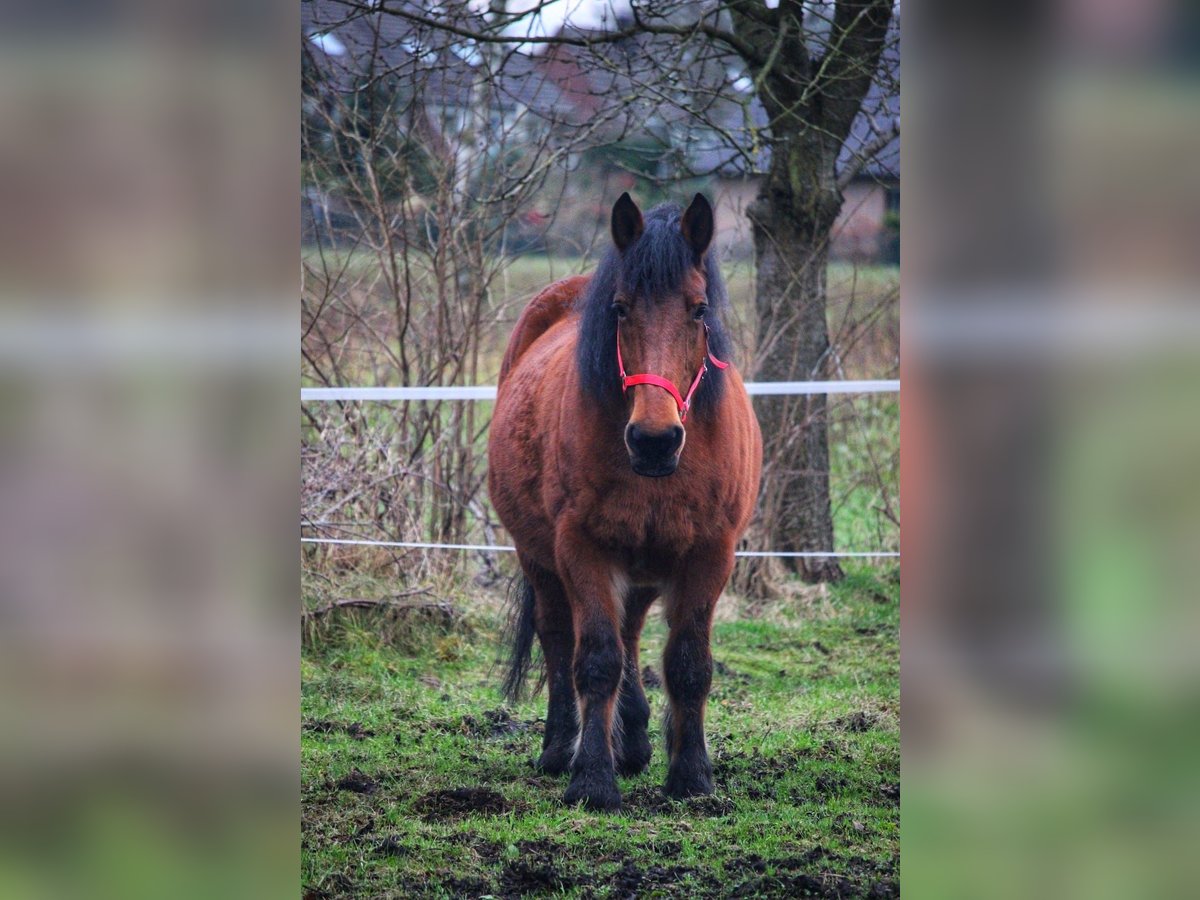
653, 267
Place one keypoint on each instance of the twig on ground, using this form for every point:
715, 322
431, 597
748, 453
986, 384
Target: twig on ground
389, 603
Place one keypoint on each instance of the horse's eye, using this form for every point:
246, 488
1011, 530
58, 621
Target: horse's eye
700, 312
621, 310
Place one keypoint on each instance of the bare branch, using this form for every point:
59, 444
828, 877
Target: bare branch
389, 604
850, 61
868, 152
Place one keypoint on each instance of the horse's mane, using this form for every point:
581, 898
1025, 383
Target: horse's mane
652, 267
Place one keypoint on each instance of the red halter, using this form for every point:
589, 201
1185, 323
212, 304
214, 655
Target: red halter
684, 403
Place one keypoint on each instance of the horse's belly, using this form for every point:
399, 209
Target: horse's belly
514, 484
517, 451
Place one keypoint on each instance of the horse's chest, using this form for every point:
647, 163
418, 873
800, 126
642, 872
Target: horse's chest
650, 524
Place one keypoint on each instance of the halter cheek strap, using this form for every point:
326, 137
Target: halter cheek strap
682, 402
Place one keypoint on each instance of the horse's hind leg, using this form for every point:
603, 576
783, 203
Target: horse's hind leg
635, 749
687, 669
552, 620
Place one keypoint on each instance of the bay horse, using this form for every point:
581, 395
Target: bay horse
619, 489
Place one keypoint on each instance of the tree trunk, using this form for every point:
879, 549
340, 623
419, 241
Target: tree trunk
791, 252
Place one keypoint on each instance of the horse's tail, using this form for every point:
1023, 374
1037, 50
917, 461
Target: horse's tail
519, 636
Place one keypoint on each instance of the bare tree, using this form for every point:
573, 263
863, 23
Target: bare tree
812, 95
419, 151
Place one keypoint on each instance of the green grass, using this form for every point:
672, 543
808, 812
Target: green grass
521, 277
803, 731
864, 437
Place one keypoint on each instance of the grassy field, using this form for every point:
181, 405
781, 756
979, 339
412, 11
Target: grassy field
417, 779
523, 276
853, 291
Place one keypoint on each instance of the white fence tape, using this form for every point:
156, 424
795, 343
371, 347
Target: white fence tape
488, 392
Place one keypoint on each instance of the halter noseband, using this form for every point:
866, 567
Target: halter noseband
684, 403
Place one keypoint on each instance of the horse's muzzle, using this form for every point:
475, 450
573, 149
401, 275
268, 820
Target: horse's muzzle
654, 453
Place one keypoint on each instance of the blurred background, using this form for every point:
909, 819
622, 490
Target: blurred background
148, 640
1051, 345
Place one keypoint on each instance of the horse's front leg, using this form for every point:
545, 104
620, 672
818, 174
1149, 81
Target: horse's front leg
687, 667
598, 666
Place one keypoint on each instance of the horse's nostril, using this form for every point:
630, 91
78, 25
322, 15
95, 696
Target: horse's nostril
654, 444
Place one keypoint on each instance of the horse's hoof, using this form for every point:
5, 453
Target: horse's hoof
554, 761
635, 759
681, 785
594, 794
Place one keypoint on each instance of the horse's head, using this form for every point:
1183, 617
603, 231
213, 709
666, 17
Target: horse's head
661, 316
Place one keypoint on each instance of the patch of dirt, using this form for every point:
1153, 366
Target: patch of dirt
626, 882
856, 722
809, 874
456, 803
758, 768
462, 887
797, 885
891, 793
801, 876
539, 869
495, 723
522, 878
648, 800
322, 726
833, 751
829, 786
392, 846
754, 792
650, 679
660, 877
357, 782
535, 871
518, 747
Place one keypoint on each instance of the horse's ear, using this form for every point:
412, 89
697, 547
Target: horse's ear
697, 225
627, 224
